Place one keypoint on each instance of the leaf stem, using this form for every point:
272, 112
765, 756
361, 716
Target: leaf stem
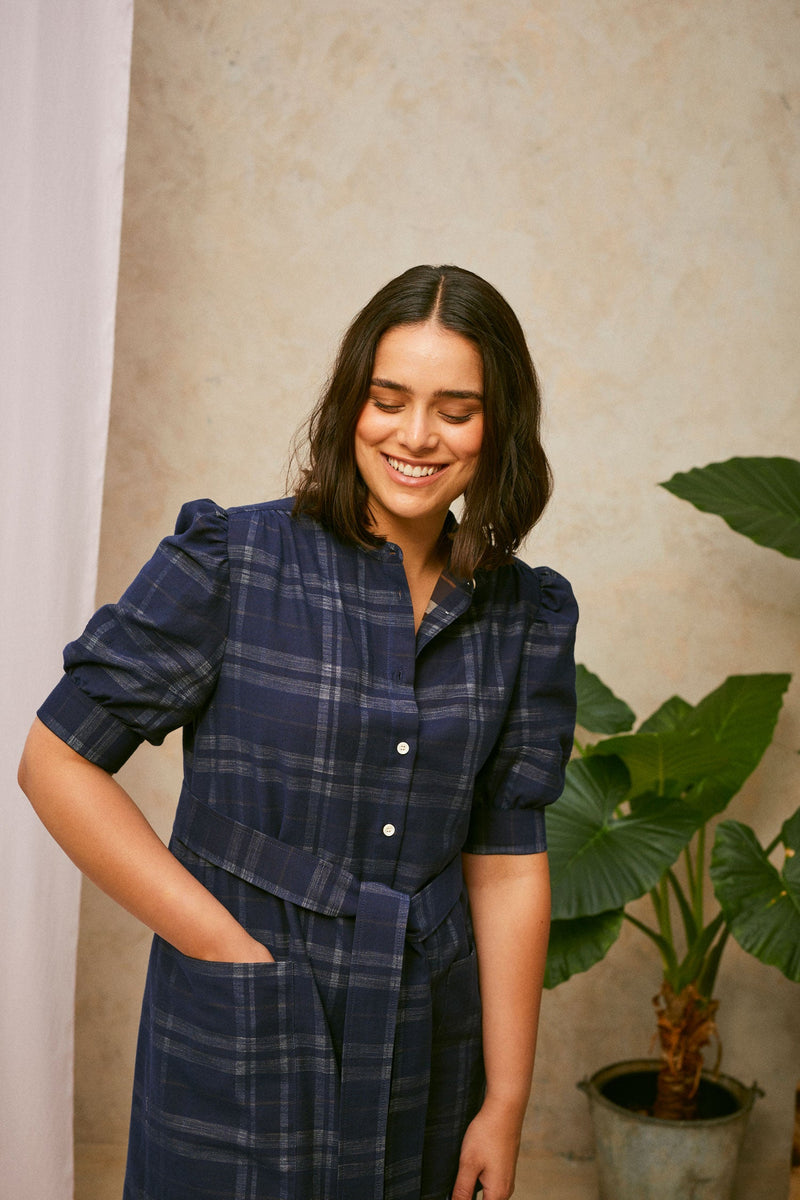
690, 925
666, 915
699, 876
709, 976
666, 951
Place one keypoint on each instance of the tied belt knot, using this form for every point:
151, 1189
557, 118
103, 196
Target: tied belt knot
384, 920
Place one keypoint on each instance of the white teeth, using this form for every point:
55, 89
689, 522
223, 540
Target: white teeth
407, 469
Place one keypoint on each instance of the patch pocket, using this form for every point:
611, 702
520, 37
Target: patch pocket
218, 1043
457, 1001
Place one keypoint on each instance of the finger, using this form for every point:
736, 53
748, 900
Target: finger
465, 1184
501, 1192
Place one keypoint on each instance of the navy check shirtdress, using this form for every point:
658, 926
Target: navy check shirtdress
336, 764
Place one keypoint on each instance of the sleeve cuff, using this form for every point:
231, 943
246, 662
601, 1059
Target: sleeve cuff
506, 831
96, 734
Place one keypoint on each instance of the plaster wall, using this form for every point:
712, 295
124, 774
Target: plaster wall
627, 175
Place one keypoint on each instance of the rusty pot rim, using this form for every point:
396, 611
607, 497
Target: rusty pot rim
744, 1097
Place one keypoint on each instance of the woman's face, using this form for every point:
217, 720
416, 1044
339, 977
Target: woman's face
419, 435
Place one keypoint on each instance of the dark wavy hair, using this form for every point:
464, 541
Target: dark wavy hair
512, 482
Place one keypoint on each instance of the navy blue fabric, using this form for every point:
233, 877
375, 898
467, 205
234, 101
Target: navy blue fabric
313, 716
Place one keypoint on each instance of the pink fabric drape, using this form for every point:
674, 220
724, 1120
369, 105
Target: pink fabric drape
64, 85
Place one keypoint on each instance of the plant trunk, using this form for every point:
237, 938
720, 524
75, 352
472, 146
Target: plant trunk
685, 1026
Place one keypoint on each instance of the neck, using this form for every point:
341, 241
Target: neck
423, 545
424, 559
421, 563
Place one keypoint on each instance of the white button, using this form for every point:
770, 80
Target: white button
403, 747
389, 830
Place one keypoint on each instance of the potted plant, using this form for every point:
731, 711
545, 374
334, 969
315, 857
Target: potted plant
636, 820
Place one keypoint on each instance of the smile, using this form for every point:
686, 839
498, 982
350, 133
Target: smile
413, 472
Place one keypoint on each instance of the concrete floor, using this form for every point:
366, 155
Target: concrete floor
99, 1171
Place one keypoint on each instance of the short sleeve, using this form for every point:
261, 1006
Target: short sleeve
525, 771
149, 663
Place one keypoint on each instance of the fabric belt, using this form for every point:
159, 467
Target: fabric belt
384, 920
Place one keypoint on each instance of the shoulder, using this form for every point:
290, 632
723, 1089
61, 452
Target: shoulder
271, 534
265, 509
268, 514
546, 594
204, 526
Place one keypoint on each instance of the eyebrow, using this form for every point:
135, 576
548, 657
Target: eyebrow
441, 394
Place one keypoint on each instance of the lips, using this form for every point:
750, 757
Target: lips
412, 471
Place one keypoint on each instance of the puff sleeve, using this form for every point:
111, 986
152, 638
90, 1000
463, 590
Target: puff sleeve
149, 663
525, 771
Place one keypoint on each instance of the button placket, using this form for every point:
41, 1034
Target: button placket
400, 749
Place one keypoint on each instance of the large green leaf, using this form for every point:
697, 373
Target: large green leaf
599, 710
790, 836
741, 715
675, 756
671, 715
761, 904
600, 860
759, 497
711, 748
577, 945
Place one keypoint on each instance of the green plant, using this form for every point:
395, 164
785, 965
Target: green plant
635, 804
758, 497
638, 810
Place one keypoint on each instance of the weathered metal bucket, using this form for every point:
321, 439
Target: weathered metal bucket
642, 1158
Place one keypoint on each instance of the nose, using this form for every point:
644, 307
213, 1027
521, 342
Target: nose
417, 429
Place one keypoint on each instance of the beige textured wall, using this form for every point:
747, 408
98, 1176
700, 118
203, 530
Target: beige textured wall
627, 174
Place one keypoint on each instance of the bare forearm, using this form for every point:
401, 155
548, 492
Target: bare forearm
98, 825
510, 903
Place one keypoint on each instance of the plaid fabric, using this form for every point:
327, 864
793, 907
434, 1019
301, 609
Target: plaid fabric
314, 717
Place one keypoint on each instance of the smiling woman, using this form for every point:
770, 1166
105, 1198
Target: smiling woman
419, 436
351, 917
491, 373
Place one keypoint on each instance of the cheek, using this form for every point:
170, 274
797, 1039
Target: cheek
472, 444
366, 428
470, 456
